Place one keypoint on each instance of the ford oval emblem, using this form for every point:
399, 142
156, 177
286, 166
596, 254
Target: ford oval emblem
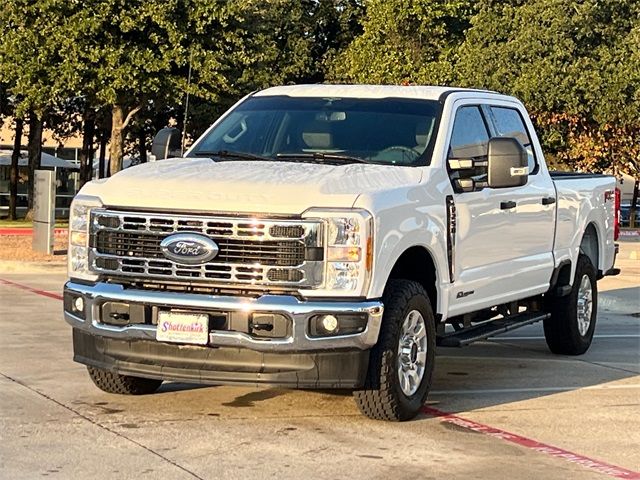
189, 248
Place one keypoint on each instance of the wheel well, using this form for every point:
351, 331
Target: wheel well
589, 244
417, 264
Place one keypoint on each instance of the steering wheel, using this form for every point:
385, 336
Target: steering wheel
407, 153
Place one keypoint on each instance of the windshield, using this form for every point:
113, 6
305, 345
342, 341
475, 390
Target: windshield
391, 131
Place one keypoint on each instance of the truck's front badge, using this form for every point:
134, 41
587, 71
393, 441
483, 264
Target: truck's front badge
464, 294
189, 248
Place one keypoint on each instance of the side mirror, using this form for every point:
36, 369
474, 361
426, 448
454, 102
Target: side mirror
167, 144
507, 163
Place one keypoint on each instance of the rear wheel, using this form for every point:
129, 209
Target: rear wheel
401, 363
570, 328
111, 382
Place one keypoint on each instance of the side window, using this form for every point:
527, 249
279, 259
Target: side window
469, 143
470, 138
509, 123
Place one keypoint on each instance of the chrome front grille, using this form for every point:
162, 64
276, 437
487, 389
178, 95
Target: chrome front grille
134, 244
256, 252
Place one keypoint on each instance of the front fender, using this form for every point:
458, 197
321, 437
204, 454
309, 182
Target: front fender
406, 218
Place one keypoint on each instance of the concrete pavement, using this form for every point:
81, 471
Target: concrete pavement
55, 423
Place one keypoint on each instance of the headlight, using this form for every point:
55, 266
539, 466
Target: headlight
348, 251
79, 222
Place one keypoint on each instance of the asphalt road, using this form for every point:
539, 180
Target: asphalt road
515, 410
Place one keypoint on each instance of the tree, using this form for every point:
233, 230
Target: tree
130, 58
13, 171
405, 41
31, 65
576, 65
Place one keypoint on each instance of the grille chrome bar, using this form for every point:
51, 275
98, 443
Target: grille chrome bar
253, 252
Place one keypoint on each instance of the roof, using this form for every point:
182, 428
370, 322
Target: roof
363, 91
46, 160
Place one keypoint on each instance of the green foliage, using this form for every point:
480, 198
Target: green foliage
574, 64
410, 41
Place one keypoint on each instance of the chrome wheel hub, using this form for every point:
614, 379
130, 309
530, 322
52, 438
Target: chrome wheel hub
412, 352
585, 305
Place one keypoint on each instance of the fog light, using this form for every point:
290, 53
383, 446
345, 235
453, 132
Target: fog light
329, 323
78, 304
332, 325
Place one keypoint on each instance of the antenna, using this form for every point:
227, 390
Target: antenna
186, 107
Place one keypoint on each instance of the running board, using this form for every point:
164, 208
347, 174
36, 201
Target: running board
479, 332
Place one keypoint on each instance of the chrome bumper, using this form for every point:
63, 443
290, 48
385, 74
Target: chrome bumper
298, 311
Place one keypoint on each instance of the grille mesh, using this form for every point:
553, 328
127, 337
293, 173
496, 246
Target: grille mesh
147, 245
251, 252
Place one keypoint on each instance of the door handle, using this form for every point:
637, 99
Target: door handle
548, 200
507, 205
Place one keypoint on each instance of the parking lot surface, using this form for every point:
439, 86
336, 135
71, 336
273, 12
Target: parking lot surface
504, 408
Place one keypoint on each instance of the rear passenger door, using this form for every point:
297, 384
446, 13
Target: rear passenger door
535, 201
503, 238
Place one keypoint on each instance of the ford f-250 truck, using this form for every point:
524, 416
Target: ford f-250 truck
330, 236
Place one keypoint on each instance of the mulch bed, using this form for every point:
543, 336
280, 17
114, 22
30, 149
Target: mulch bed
18, 248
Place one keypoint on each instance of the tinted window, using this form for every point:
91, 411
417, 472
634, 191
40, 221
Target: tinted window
389, 131
470, 137
509, 123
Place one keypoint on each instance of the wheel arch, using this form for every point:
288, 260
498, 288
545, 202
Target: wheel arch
590, 245
417, 263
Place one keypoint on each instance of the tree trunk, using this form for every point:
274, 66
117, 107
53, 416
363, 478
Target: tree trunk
118, 123
86, 154
13, 172
35, 151
116, 145
103, 153
142, 145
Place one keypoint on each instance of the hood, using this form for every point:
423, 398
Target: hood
200, 184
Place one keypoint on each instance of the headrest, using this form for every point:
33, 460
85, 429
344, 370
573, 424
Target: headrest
317, 135
423, 132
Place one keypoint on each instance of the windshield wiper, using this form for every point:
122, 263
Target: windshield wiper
232, 155
320, 157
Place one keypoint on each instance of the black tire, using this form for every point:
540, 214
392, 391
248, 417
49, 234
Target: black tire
111, 382
382, 397
561, 330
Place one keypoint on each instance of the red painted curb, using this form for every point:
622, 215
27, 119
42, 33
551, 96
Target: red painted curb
27, 231
590, 463
44, 293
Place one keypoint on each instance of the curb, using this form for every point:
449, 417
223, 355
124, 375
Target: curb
28, 231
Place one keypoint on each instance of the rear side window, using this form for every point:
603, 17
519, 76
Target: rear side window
470, 138
509, 123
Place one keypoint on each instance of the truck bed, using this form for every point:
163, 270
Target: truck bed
572, 175
584, 208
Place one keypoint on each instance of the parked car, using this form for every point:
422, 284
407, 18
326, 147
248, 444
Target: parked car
625, 215
330, 236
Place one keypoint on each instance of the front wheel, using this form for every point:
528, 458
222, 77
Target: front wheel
111, 382
570, 328
401, 363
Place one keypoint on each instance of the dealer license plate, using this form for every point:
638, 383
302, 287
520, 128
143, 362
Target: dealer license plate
179, 327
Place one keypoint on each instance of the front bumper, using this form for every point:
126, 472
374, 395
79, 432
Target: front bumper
231, 357
221, 366
299, 312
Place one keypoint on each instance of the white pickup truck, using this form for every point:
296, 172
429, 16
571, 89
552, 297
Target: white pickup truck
330, 236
